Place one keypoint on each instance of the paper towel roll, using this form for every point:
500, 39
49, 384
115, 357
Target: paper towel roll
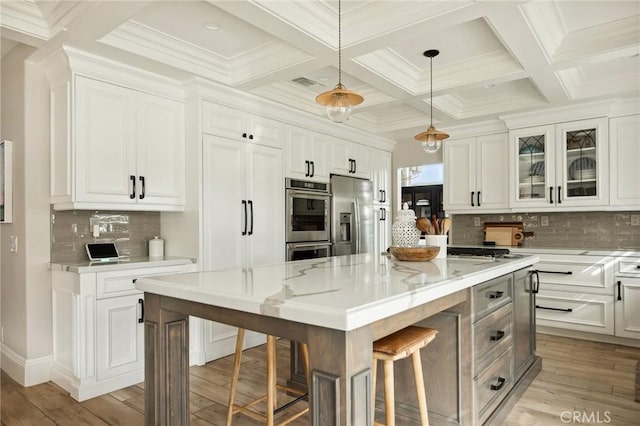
156, 247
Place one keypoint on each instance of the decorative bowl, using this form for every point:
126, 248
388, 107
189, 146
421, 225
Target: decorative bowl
415, 254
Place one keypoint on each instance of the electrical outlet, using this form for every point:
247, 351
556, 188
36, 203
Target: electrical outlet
13, 243
635, 220
476, 221
544, 220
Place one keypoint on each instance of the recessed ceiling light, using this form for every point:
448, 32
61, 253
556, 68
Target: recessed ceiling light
213, 26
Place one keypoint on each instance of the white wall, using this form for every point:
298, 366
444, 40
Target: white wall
25, 278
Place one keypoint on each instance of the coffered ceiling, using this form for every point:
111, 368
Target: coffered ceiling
496, 57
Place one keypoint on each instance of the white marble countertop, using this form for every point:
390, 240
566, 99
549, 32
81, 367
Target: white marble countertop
343, 292
582, 252
120, 264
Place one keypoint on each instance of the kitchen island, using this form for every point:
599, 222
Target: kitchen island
337, 305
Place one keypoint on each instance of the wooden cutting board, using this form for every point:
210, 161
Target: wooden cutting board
501, 236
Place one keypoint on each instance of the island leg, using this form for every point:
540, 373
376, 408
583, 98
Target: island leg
166, 368
340, 363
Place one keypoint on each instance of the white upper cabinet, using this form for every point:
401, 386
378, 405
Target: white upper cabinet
624, 161
349, 158
476, 174
306, 154
560, 166
113, 147
380, 164
239, 125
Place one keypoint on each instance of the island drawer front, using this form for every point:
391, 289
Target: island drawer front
492, 335
586, 274
491, 386
582, 312
123, 282
489, 296
629, 267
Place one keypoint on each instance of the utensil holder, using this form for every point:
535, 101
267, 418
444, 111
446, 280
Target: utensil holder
440, 241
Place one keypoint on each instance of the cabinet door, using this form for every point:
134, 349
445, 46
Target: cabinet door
382, 229
492, 173
265, 195
224, 214
533, 167
222, 121
627, 313
381, 175
264, 131
582, 168
341, 160
459, 174
105, 153
624, 163
160, 151
298, 144
119, 336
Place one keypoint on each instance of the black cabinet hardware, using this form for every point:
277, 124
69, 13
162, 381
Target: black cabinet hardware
313, 168
496, 294
551, 195
555, 272
472, 192
559, 195
478, 198
495, 337
250, 202
637, 266
251, 137
355, 166
384, 211
501, 382
535, 288
307, 168
142, 189
135, 280
619, 290
244, 135
133, 188
384, 200
141, 303
244, 204
554, 309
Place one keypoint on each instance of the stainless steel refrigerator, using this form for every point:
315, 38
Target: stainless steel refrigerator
351, 215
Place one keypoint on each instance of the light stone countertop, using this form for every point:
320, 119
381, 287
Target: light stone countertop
120, 264
343, 292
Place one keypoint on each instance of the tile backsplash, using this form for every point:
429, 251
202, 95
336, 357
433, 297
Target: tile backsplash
596, 230
72, 229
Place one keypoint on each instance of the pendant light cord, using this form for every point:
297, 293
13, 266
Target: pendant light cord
339, 44
431, 89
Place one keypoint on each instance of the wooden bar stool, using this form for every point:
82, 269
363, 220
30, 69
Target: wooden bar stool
399, 345
272, 386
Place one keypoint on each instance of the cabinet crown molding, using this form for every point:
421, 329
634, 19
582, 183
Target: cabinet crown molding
476, 129
559, 115
67, 59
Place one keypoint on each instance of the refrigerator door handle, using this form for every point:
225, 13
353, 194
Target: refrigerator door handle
356, 227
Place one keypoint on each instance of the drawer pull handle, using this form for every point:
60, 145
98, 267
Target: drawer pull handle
501, 382
619, 290
141, 303
496, 294
554, 309
637, 266
495, 337
555, 272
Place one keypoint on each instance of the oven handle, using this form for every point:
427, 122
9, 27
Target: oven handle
317, 194
304, 245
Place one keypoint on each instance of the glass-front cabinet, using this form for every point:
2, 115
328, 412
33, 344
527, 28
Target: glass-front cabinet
561, 165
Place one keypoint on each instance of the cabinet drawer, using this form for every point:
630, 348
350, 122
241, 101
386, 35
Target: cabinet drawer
121, 283
489, 296
491, 336
589, 274
493, 384
583, 312
629, 267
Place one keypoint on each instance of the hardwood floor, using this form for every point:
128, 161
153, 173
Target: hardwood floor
581, 382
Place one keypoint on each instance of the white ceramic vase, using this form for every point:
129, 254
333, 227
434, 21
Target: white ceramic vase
404, 232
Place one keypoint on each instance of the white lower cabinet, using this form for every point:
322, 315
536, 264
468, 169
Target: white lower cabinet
592, 313
628, 307
98, 328
382, 228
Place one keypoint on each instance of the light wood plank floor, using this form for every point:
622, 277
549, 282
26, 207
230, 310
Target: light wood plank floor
593, 379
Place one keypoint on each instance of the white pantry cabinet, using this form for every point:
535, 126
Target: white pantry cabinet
305, 154
98, 327
560, 166
380, 163
243, 210
124, 149
475, 174
624, 161
234, 124
349, 158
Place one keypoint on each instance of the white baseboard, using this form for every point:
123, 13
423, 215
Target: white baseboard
90, 389
604, 338
27, 372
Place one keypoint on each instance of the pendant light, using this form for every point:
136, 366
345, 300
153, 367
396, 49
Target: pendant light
339, 100
432, 137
